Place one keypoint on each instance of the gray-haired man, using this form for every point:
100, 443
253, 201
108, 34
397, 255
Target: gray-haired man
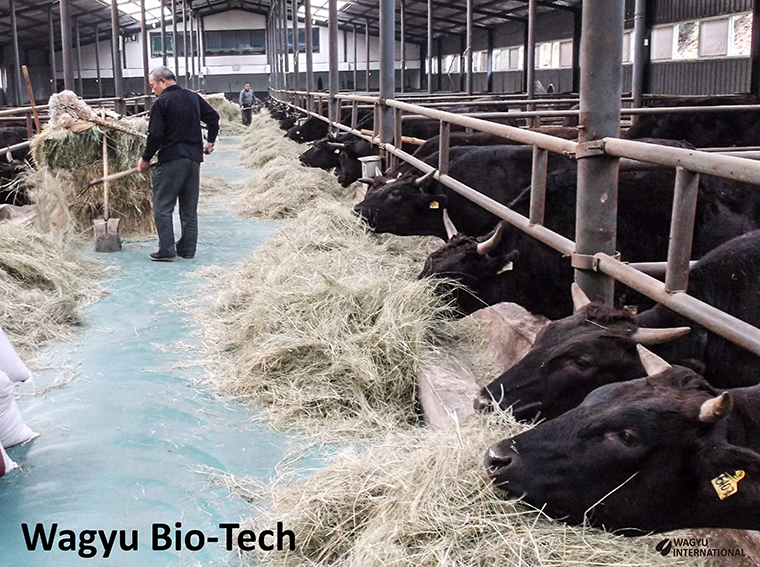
174, 132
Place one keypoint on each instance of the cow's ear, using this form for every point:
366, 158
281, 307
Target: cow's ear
719, 461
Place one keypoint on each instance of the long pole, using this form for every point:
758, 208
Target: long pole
175, 49
97, 61
356, 60
430, 46
596, 209
285, 57
468, 49
295, 45
184, 41
78, 40
16, 54
163, 34
639, 34
68, 61
530, 51
308, 38
51, 33
387, 72
116, 52
193, 78
145, 40
403, 45
333, 75
366, 55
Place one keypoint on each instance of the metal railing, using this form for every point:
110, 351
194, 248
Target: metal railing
689, 164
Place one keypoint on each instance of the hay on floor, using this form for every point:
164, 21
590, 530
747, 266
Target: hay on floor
421, 498
230, 117
326, 325
283, 188
264, 141
43, 282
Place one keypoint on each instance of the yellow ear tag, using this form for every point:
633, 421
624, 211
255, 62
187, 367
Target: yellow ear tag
726, 484
507, 267
434, 204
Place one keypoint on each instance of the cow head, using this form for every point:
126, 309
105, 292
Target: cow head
570, 358
324, 153
651, 454
312, 129
408, 205
350, 166
475, 263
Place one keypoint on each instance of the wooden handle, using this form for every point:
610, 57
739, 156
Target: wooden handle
404, 139
30, 92
106, 208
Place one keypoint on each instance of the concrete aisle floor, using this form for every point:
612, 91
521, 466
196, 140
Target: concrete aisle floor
122, 443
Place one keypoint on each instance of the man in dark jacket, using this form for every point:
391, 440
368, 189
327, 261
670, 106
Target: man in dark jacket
247, 100
174, 132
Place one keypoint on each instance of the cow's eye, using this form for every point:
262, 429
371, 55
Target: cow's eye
628, 438
582, 362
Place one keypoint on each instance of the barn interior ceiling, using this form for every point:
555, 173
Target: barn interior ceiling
32, 16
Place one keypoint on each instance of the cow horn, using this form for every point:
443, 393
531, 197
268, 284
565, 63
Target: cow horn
451, 230
421, 180
337, 145
652, 363
715, 409
367, 180
657, 336
580, 299
487, 246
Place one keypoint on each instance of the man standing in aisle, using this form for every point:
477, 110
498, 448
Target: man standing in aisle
174, 132
247, 100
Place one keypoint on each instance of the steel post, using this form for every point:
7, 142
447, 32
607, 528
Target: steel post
285, 57
193, 76
468, 50
430, 46
356, 60
118, 84
296, 48
387, 64
754, 79
97, 61
403, 45
489, 62
601, 70
309, 56
681, 229
163, 34
443, 148
78, 40
184, 41
538, 185
333, 53
145, 41
51, 46
366, 56
66, 51
530, 52
175, 49
639, 35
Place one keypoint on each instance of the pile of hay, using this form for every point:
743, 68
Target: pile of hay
264, 141
75, 158
326, 325
421, 498
43, 280
230, 118
283, 188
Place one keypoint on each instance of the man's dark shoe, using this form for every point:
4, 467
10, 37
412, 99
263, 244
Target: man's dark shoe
186, 256
158, 257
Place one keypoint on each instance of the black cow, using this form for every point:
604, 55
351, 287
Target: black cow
541, 277
350, 166
597, 345
9, 169
650, 455
312, 129
411, 205
325, 153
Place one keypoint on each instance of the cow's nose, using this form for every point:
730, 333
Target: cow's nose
483, 402
499, 458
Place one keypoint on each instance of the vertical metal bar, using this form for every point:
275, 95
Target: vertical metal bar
538, 185
577, 34
397, 133
333, 32
440, 64
51, 38
163, 34
468, 49
530, 53
16, 53
273, 41
354, 114
285, 57
489, 62
145, 41
376, 121
175, 49
296, 48
118, 85
639, 31
78, 40
201, 51
193, 78
367, 54
387, 64
681, 230
430, 46
403, 45
97, 61
462, 63
309, 57
356, 61
184, 40
601, 67
754, 81
66, 52
443, 148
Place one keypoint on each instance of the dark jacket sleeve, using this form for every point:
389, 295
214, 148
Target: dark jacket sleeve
155, 131
210, 118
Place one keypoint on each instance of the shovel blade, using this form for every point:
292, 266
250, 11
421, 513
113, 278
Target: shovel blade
106, 234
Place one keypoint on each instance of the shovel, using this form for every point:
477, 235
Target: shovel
106, 230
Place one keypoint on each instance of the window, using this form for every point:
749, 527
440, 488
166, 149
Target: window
627, 47
302, 41
155, 45
713, 38
497, 59
687, 41
234, 42
740, 34
516, 58
566, 53
480, 61
662, 43
451, 64
554, 54
728, 36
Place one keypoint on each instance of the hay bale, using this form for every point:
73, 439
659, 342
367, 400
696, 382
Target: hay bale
326, 324
421, 498
43, 281
283, 188
264, 141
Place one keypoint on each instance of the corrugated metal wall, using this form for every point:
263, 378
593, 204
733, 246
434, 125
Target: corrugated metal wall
713, 76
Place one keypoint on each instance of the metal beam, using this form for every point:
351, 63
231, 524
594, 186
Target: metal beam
16, 53
80, 85
97, 61
430, 46
387, 64
116, 52
51, 34
333, 52
308, 40
402, 4
68, 63
175, 50
164, 60
468, 49
294, 11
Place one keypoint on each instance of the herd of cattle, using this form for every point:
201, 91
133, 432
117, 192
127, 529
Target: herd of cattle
11, 163
627, 441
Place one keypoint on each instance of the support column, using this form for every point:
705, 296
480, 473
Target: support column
51, 39
333, 53
97, 61
577, 29
468, 50
440, 64
601, 71
296, 82
193, 77
367, 56
77, 37
285, 57
16, 53
356, 61
308, 39
387, 72
754, 81
184, 41
116, 52
530, 52
430, 46
489, 62
145, 42
175, 48
163, 34
403, 45
66, 51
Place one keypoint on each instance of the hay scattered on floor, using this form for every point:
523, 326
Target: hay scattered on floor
43, 282
421, 498
326, 325
264, 141
230, 117
283, 188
